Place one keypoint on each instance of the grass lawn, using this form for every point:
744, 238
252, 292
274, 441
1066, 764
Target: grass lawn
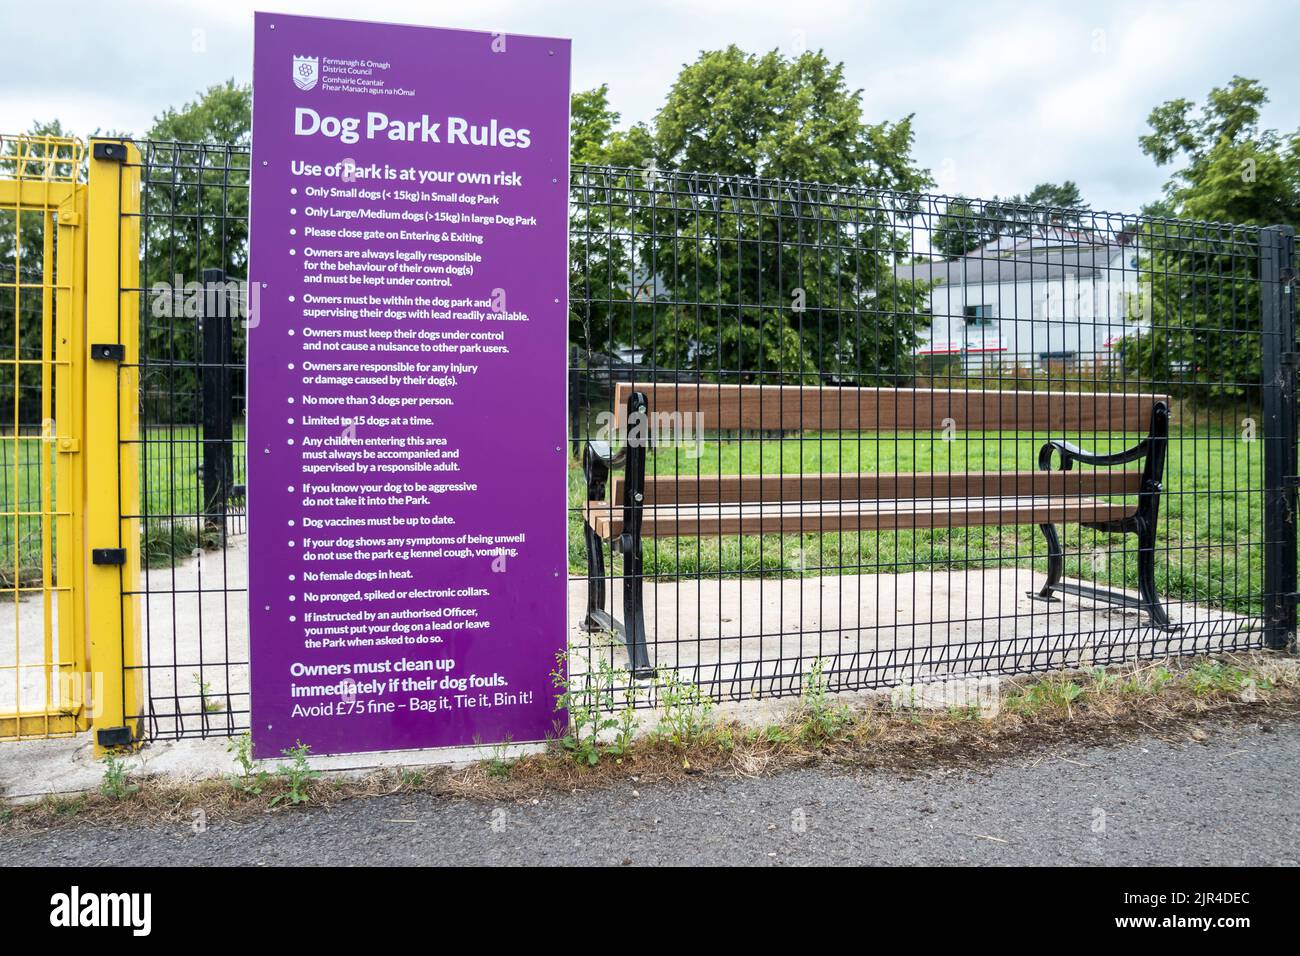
171, 504
1209, 545
1210, 541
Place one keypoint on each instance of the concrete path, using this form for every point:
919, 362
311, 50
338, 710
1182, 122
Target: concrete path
1228, 800
735, 638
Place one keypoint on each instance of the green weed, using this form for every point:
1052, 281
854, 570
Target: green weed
602, 700
1050, 694
685, 713
823, 716
297, 775
117, 783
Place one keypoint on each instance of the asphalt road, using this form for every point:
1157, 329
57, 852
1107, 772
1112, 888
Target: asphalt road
1230, 799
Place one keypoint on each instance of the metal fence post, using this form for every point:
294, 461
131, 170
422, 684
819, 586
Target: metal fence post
112, 415
69, 420
218, 465
575, 400
1281, 362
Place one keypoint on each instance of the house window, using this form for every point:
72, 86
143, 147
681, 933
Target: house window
979, 316
1057, 361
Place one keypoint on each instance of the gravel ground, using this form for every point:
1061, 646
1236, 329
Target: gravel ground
1229, 799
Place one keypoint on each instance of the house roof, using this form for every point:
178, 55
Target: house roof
1018, 264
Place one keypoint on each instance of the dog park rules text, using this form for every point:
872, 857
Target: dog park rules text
406, 385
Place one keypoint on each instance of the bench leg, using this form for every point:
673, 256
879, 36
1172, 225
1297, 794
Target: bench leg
629, 543
1143, 523
1055, 564
634, 611
596, 464
1146, 562
1148, 600
597, 619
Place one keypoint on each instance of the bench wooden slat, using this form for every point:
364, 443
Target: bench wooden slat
697, 489
877, 515
815, 408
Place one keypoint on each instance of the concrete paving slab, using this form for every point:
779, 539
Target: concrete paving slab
746, 638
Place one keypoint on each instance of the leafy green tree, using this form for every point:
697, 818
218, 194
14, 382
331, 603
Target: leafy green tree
965, 225
960, 229
1064, 195
1234, 171
733, 113
594, 136
24, 271
1206, 300
786, 280
592, 125
221, 114
600, 256
195, 205
196, 187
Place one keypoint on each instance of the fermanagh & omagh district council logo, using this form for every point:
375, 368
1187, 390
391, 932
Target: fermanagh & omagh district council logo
306, 71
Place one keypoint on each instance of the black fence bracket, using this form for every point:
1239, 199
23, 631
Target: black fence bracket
108, 556
110, 737
113, 152
108, 352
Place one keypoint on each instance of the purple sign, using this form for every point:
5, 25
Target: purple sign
406, 384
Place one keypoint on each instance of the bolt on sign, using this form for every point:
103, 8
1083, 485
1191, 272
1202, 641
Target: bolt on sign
407, 384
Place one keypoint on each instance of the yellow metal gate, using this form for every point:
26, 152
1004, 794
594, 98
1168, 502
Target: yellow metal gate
69, 390
43, 672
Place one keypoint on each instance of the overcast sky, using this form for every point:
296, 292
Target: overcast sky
1006, 95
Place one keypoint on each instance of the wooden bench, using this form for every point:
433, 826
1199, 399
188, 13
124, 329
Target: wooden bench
640, 506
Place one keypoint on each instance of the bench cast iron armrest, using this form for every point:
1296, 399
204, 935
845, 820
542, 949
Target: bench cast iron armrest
597, 462
1152, 448
1070, 453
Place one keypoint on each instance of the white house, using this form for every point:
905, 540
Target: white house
1057, 296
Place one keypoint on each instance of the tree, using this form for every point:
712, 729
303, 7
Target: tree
196, 187
797, 278
591, 124
600, 257
733, 113
24, 271
966, 226
1235, 172
960, 229
594, 137
221, 114
1064, 196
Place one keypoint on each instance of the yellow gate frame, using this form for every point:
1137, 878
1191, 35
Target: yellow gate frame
112, 463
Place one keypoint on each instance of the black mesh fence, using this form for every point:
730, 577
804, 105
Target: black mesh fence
195, 304
869, 439
821, 434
